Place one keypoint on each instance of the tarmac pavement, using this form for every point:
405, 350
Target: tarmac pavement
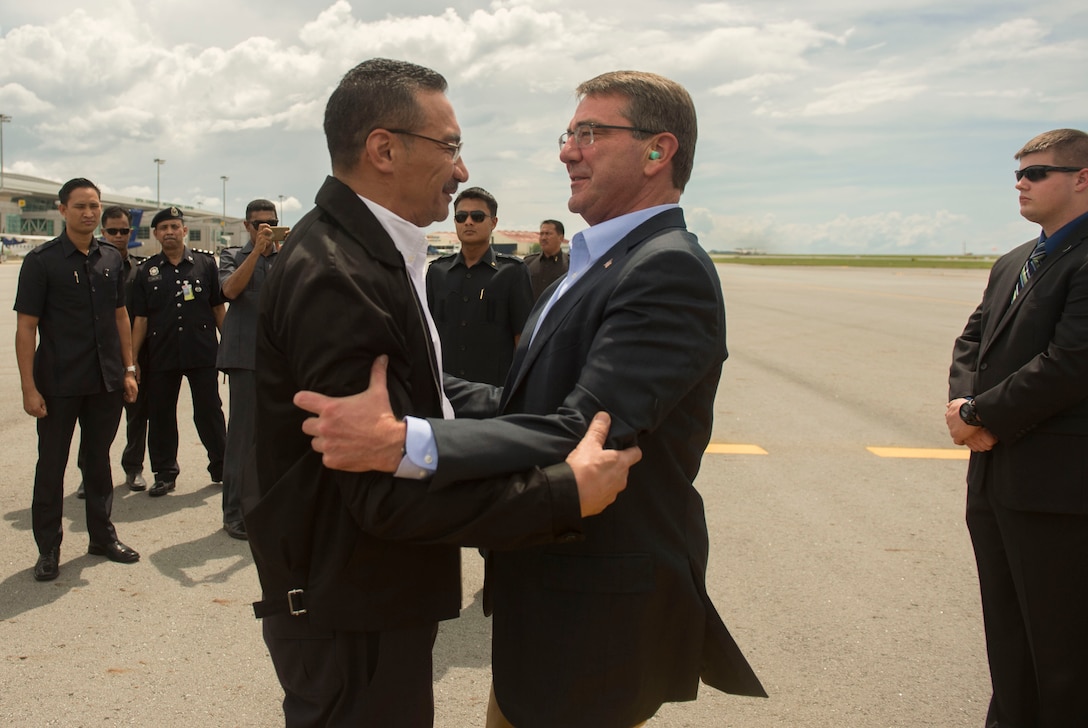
847, 578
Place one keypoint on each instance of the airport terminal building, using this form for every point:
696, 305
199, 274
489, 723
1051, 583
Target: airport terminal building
29, 216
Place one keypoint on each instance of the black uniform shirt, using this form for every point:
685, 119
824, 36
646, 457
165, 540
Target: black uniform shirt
75, 298
178, 301
546, 269
478, 311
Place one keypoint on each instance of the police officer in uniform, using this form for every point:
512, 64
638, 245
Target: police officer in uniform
479, 298
551, 263
178, 308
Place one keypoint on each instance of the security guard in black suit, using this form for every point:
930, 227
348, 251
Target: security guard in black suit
178, 308
480, 299
116, 230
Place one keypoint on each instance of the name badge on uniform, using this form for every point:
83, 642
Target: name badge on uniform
187, 291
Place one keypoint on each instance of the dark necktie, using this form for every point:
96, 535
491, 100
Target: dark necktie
1030, 267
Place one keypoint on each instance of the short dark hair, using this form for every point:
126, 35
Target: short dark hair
260, 205
1070, 147
74, 184
478, 193
116, 211
557, 225
654, 102
379, 93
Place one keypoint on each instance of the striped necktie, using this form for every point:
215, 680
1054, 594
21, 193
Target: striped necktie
1030, 267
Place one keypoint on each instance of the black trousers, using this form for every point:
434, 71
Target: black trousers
132, 459
360, 679
241, 439
1033, 574
98, 415
136, 414
162, 438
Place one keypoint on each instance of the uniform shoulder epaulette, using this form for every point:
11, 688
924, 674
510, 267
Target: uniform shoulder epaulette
210, 253
137, 259
509, 258
46, 246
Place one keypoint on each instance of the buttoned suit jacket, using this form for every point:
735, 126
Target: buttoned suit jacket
1026, 364
601, 631
369, 551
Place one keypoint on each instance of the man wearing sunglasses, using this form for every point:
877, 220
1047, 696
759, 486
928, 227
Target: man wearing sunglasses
242, 272
117, 231
1018, 398
479, 298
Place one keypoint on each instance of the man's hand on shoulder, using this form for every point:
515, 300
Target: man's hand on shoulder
358, 433
601, 474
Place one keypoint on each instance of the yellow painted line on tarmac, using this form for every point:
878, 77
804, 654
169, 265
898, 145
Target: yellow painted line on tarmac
929, 453
726, 448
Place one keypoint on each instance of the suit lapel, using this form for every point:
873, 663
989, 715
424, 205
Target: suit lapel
612, 261
1051, 262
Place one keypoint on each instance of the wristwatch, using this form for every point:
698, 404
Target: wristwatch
968, 413
131, 369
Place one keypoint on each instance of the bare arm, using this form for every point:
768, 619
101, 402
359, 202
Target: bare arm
235, 284
139, 333
124, 333
26, 330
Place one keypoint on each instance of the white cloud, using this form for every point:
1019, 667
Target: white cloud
797, 102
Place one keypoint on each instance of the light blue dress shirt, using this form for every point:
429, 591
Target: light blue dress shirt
586, 248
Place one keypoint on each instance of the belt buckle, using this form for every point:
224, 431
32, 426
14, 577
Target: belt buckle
295, 608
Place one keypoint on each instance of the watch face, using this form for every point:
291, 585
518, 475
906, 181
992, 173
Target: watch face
968, 415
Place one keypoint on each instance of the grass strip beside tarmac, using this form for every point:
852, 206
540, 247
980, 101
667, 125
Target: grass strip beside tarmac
861, 261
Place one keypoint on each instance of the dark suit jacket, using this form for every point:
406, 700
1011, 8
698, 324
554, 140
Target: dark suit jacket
602, 632
1027, 366
338, 296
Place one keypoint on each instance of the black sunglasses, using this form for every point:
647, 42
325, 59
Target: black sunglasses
1038, 172
257, 223
118, 231
477, 216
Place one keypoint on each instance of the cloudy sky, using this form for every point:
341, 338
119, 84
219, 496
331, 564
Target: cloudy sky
845, 126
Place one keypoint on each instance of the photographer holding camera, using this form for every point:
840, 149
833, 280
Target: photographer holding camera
241, 274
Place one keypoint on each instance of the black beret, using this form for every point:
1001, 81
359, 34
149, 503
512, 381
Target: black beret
170, 213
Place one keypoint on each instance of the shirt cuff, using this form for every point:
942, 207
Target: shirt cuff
420, 451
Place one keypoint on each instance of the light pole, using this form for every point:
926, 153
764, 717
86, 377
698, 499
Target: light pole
224, 178
281, 209
158, 182
4, 119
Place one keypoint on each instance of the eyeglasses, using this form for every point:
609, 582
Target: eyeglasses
454, 147
477, 216
118, 231
582, 135
258, 223
1038, 172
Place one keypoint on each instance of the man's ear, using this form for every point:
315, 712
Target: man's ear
380, 150
659, 152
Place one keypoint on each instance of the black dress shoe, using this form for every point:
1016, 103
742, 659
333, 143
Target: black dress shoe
135, 481
48, 566
81, 492
161, 487
236, 529
114, 551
